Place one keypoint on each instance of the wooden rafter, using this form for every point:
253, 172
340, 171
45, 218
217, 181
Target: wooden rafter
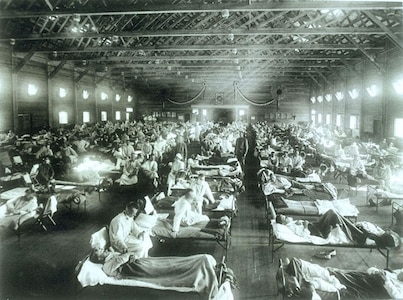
368, 55
57, 69
210, 58
206, 47
208, 32
389, 32
209, 8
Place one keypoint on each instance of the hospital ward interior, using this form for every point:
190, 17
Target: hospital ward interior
201, 149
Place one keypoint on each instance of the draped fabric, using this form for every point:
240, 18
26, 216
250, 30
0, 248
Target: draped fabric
190, 100
250, 101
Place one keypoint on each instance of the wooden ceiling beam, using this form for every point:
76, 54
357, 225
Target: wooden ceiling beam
398, 41
57, 69
206, 32
228, 65
289, 72
138, 9
300, 46
210, 58
368, 55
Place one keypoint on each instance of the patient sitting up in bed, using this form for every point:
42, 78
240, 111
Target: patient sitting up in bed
203, 192
187, 212
337, 229
126, 235
20, 209
276, 184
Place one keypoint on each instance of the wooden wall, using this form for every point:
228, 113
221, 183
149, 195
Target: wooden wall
375, 114
43, 108
291, 103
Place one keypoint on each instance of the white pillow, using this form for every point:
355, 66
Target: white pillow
100, 238
91, 274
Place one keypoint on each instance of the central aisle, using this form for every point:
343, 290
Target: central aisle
249, 253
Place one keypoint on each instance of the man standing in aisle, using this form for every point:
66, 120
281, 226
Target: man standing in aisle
241, 149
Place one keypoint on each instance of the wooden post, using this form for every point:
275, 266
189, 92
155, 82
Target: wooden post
49, 99
13, 91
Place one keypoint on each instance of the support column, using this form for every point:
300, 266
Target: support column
13, 90
49, 99
75, 98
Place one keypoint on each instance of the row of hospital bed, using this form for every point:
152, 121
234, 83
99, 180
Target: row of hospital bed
209, 273
304, 280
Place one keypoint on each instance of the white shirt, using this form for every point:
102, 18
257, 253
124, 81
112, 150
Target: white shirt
120, 228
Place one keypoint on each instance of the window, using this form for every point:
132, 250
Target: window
241, 112
339, 96
104, 96
32, 89
398, 86
328, 119
129, 98
117, 115
129, 109
104, 116
372, 90
127, 116
319, 118
204, 112
63, 117
398, 128
353, 122
354, 93
86, 94
62, 92
339, 119
117, 97
86, 116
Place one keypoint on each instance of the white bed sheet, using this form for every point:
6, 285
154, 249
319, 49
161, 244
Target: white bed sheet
342, 206
13, 193
336, 237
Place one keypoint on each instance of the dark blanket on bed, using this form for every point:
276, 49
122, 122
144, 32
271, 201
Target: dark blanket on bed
196, 272
203, 230
359, 285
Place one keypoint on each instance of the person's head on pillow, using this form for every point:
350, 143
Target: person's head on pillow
282, 219
98, 255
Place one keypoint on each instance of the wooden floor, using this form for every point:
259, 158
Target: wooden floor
43, 264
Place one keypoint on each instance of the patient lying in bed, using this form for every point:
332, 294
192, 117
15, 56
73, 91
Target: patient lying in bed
196, 273
304, 280
333, 228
